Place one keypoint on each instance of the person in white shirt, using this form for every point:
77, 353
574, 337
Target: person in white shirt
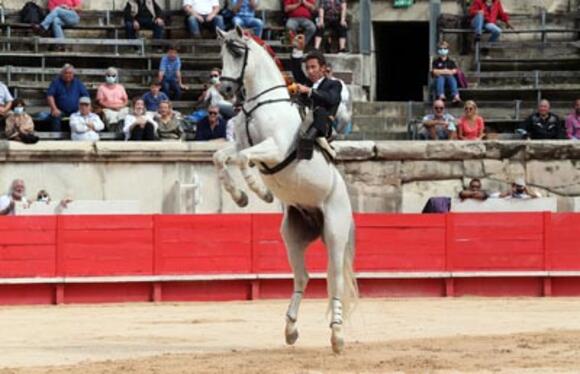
84, 124
140, 124
343, 118
15, 195
6, 100
202, 12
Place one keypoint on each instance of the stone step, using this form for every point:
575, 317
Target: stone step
526, 78
527, 64
551, 92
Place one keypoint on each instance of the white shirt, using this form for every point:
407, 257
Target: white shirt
317, 83
202, 7
5, 203
130, 119
80, 130
5, 95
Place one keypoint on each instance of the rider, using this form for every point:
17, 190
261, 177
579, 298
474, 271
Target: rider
318, 92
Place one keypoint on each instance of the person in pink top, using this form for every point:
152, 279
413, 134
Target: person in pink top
299, 13
573, 122
470, 126
113, 98
61, 13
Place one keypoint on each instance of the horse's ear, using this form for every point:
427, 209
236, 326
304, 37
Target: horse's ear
221, 34
239, 31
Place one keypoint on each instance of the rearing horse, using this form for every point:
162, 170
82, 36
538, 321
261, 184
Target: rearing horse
313, 193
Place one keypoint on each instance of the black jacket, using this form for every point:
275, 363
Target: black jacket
142, 13
326, 96
549, 128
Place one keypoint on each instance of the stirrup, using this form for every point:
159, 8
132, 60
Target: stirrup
323, 143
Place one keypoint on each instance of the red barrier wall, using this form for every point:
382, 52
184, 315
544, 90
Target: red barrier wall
237, 256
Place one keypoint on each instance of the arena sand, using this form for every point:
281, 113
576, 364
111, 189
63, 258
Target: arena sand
464, 335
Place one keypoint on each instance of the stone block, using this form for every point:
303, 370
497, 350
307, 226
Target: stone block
372, 199
455, 150
431, 170
473, 169
416, 194
506, 150
354, 150
393, 150
561, 177
372, 173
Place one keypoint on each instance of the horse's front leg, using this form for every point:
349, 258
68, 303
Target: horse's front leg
266, 151
220, 160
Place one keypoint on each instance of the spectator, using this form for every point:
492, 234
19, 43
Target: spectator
170, 123
474, 191
170, 74
212, 127
519, 190
245, 15
299, 13
43, 196
113, 99
212, 96
63, 96
332, 14
139, 124
85, 125
485, 14
202, 12
143, 14
343, 117
61, 13
15, 194
19, 124
573, 122
443, 71
438, 125
154, 97
543, 124
6, 100
471, 125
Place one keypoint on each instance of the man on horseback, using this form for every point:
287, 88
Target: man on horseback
319, 93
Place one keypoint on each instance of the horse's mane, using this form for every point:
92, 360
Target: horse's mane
262, 43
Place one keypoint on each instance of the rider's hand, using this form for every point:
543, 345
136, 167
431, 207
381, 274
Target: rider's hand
303, 89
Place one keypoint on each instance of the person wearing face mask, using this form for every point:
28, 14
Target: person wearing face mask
212, 96
139, 124
573, 122
19, 124
112, 97
485, 14
543, 124
443, 71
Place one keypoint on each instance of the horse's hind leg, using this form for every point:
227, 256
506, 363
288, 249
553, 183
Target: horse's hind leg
297, 235
220, 160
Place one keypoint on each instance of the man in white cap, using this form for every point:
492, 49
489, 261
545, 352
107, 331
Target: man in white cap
520, 191
84, 124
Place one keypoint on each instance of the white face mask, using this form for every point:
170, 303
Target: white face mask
110, 79
214, 80
19, 110
443, 52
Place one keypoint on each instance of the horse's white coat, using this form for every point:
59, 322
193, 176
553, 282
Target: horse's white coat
315, 198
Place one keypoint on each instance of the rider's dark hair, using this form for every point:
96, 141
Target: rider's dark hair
315, 55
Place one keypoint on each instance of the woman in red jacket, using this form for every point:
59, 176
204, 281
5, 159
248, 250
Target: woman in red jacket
485, 15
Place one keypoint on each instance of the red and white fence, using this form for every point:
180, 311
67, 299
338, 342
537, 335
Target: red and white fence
71, 259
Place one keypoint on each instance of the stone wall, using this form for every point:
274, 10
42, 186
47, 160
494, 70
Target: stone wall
381, 176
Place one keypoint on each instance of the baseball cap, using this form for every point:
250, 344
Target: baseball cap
85, 100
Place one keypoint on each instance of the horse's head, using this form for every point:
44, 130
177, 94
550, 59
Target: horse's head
235, 55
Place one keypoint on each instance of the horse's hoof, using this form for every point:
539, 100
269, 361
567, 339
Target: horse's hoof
269, 198
337, 340
291, 335
243, 200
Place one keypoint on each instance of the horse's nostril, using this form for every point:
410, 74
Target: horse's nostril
229, 89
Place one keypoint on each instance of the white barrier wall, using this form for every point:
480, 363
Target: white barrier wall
544, 204
39, 208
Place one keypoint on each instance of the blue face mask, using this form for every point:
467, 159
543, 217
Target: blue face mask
443, 52
19, 110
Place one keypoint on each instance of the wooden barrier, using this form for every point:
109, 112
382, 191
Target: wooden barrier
88, 259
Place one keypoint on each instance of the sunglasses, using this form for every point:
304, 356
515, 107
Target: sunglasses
112, 76
438, 107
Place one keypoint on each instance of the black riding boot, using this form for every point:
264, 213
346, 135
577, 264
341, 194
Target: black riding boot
306, 144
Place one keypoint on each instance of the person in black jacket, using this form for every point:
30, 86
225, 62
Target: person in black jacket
543, 124
143, 14
319, 93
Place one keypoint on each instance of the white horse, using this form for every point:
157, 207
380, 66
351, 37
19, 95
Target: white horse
314, 195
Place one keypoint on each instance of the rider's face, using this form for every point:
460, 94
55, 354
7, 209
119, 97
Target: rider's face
314, 70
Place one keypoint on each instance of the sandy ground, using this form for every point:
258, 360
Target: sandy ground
539, 335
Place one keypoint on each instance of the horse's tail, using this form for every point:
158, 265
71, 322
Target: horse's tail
350, 297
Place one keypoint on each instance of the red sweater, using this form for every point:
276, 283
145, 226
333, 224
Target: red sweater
490, 15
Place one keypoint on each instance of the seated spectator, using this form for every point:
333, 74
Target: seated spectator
154, 97
474, 191
202, 13
332, 14
63, 96
19, 124
438, 125
6, 100
443, 71
212, 127
299, 14
61, 13
245, 15
139, 124
170, 74
519, 190
543, 124
143, 14
169, 122
16, 194
485, 14
85, 125
113, 99
343, 118
212, 96
471, 125
43, 197
573, 122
